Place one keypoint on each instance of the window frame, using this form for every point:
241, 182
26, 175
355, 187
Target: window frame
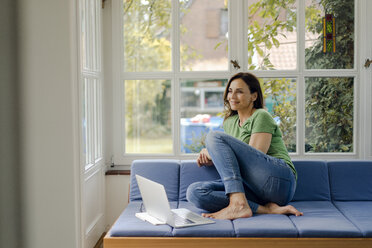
90, 85
237, 29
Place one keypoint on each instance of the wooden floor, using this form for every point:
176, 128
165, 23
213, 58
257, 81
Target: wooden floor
181, 242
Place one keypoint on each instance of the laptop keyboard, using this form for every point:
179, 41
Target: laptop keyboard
178, 220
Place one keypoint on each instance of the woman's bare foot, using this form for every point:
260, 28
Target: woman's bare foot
238, 208
273, 208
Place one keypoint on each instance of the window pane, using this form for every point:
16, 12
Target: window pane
329, 114
201, 109
85, 120
148, 116
280, 101
88, 121
272, 36
147, 28
203, 35
343, 57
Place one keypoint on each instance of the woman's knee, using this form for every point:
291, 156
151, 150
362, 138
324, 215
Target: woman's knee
213, 136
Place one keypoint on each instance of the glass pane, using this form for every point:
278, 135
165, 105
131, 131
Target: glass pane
343, 12
280, 101
88, 121
272, 36
148, 126
329, 114
97, 122
147, 40
83, 34
203, 35
201, 109
85, 121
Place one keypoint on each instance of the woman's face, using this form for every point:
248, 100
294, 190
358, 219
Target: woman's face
239, 96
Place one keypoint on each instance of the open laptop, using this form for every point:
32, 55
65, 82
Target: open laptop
158, 209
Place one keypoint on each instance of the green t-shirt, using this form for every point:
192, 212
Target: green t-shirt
260, 122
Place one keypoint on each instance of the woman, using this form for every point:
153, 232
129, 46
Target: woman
257, 174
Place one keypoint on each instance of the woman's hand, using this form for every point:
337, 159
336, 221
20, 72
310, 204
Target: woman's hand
204, 158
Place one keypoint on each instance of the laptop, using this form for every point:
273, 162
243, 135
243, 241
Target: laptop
158, 210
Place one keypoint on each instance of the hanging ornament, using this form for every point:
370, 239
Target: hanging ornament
329, 34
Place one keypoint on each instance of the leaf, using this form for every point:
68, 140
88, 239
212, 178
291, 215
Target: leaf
276, 42
217, 45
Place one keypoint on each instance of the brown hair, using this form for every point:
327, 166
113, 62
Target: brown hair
253, 85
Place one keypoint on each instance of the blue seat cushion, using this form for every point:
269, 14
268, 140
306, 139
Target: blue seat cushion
128, 225
309, 172
359, 213
265, 225
351, 180
322, 219
190, 173
222, 228
163, 171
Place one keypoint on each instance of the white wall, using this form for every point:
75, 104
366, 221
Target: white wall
49, 138
117, 190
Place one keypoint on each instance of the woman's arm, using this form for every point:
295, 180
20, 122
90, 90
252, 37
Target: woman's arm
261, 141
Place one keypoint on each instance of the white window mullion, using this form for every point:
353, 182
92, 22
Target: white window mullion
176, 117
88, 36
117, 77
244, 32
236, 17
365, 102
300, 111
357, 121
175, 36
92, 11
202, 99
95, 21
175, 84
94, 35
99, 37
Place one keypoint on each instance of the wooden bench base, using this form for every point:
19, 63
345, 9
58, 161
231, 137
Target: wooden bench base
183, 242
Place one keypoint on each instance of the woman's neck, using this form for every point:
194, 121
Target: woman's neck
244, 115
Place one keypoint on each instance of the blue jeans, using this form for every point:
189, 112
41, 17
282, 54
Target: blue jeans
245, 169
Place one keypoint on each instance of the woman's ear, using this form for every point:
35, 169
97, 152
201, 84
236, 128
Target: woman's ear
254, 96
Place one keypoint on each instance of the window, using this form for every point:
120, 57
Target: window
91, 78
176, 62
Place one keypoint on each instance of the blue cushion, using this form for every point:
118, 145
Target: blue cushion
128, 225
164, 171
351, 180
266, 225
359, 213
222, 228
309, 172
190, 173
322, 219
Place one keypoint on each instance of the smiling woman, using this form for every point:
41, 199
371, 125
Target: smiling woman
256, 172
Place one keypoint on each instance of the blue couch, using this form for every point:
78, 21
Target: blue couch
335, 197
